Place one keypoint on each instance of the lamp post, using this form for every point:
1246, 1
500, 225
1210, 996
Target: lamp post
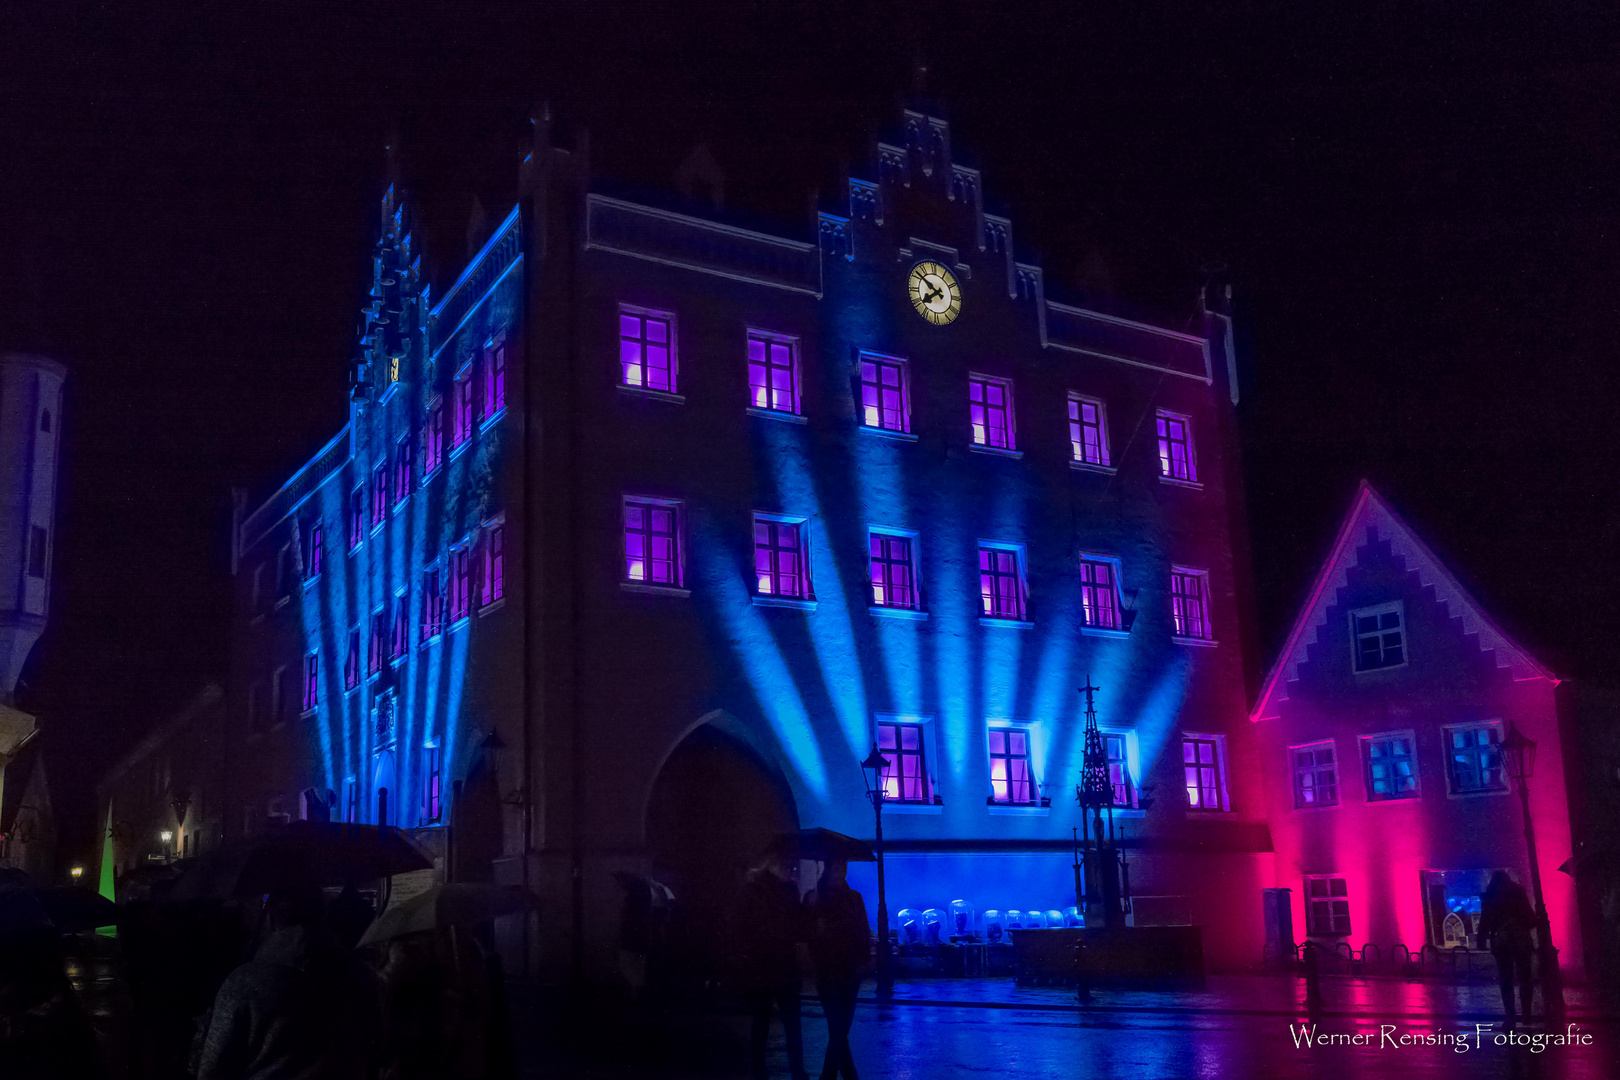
1519, 755
872, 773
167, 836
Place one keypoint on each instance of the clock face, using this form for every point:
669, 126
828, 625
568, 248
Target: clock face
934, 292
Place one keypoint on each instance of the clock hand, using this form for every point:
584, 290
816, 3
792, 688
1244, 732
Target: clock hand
930, 297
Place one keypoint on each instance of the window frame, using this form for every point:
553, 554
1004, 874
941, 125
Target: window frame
433, 436
929, 791
1165, 444
353, 661
380, 504
433, 604
460, 562
806, 593
980, 379
464, 408
399, 628
377, 643
647, 504
880, 361
402, 470
492, 562
885, 534
1398, 607
1088, 588
1218, 742
1130, 764
1177, 632
768, 339
1453, 790
672, 344
314, 553
1077, 425
492, 380
1298, 774
1329, 899
1018, 552
357, 516
1007, 728
432, 784
1367, 742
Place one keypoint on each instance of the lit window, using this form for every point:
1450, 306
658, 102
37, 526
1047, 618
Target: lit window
1116, 750
1201, 770
399, 642
652, 547
433, 436
906, 777
357, 516
1474, 758
379, 494
884, 401
990, 411
461, 418
773, 374
1189, 603
1391, 766
1001, 583
1099, 593
379, 641
432, 808
1316, 776
351, 662
647, 349
780, 567
492, 563
432, 605
312, 678
351, 800
1380, 639
312, 551
1010, 777
1088, 431
1328, 901
494, 379
37, 539
461, 569
402, 469
1176, 447
893, 571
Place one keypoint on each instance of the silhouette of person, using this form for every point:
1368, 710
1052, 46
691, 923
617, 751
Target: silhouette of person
841, 942
1505, 922
770, 926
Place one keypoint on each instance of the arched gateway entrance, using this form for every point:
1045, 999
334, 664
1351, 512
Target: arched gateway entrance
716, 805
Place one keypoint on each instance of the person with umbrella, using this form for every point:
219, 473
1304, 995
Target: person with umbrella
770, 924
45, 1033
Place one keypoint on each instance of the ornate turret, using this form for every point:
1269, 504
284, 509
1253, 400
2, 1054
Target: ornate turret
394, 319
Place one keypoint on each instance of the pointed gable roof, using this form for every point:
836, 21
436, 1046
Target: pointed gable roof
1369, 511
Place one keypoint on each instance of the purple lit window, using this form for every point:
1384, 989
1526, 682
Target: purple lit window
1474, 759
492, 563
400, 637
1099, 594
312, 679
379, 641
432, 605
1176, 448
1010, 777
351, 662
379, 493
494, 396
357, 516
433, 808
906, 778
773, 374
1119, 770
884, 403
1328, 899
1001, 585
647, 349
402, 469
1316, 776
780, 568
1391, 766
461, 419
433, 437
312, 551
1088, 431
893, 583
1201, 771
990, 411
461, 569
1189, 604
652, 549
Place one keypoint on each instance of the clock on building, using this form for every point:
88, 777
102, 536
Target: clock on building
934, 292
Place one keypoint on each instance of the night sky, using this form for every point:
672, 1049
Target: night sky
1417, 203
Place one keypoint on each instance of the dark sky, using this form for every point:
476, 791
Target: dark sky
1417, 201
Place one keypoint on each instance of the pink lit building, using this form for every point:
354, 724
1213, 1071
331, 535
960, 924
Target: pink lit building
1380, 727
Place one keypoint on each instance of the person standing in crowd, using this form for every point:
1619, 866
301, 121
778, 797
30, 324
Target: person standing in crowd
45, 1033
1505, 922
771, 923
304, 1008
841, 942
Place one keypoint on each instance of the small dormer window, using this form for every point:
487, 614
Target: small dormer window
1379, 637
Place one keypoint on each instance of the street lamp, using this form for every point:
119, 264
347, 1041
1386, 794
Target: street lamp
167, 836
1519, 755
872, 770
77, 872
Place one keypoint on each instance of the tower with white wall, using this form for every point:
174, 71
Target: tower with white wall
30, 434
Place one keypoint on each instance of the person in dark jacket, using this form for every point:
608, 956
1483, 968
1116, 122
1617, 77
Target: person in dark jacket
771, 923
841, 942
304, 1008
1505, 922
45, 1033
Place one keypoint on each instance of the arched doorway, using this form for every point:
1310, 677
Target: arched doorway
716, 806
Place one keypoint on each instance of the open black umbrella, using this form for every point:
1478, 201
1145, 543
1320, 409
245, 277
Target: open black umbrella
460, 904
824, 845
317, 852
25, 905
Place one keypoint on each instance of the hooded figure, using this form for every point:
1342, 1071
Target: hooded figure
1505, 922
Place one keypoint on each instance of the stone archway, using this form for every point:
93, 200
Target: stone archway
716, 805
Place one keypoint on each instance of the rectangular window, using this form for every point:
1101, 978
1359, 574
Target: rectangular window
433, 436
1001, 583
492, 568
773, 373
885, 394
357, 516
1189, 603
1474, 758
37, 537
1010, 778
432, 605
378, 642
402, 469
1088, 431
1116, 748
399, 639
494, 378
1391, 766
780, 566
647, 349
351, 661
461, 570
432, 808
379, 494
312, 551
312, 680
990, 411
894, 572
652, 545
351, 800
1099, 593
906, 777
461, 418
1176, 448
1380, 639
1316, 776
1201, 771
1328, 901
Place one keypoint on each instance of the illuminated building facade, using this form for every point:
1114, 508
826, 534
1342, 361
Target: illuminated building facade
644, 533
1382, 724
